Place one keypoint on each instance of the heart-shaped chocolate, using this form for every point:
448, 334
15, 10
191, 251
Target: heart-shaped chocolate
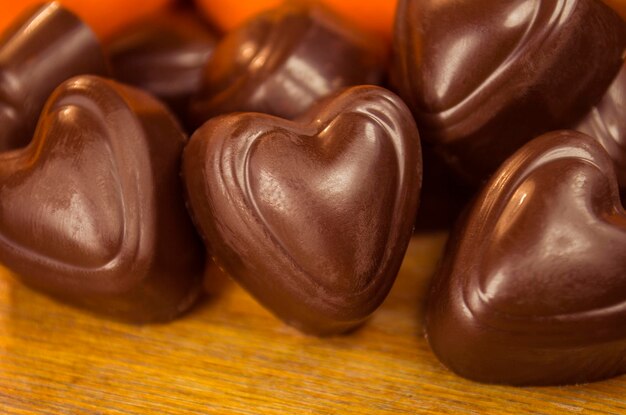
283, 61
312, 217
607, 123
47, 46
165, 55
92, 211
485, 76
533, 283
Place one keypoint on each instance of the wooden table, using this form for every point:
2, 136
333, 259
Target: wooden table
230, 356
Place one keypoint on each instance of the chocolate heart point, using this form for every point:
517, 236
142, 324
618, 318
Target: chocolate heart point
312, 217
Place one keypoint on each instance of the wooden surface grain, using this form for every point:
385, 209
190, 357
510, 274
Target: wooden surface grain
230, 356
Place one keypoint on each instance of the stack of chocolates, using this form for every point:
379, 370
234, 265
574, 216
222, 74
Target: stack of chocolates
304, 171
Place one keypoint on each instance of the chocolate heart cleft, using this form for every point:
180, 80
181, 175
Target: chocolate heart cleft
484, 77
47, 46
92, 211
164, 55
283, 61
313, 216
532, 289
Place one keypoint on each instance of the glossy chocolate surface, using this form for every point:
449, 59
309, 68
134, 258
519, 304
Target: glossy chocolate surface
283, 61
92, 211
46, 47
532, 290
312, 217
607, 123
485, 76
165, 56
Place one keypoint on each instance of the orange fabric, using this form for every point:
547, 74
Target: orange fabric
104, 16
375, 15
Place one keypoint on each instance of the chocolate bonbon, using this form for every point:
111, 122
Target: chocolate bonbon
164, 55
607, 123
532, 287
92, 211
283, 61
312, 217
483, 77
46, 47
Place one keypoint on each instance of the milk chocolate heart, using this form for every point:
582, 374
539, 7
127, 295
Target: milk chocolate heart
165, 55
312, 217
46, 47
92, 211
607, 123
283, 61
532, 289
506, 72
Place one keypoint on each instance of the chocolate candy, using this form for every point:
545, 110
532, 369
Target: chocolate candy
285, 60
164, 55
312, 217
485, 76
443, 196
607, 123
46, 47
92, 211
532, 287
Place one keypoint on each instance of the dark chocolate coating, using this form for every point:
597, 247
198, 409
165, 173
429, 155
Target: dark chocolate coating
313, 218
607, 123
485, 76
443, 195
46, 47
283, 61
165, 56
92, 211
532, 290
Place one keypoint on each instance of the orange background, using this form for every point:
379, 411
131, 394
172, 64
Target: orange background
619, 5
104, 16
376, 15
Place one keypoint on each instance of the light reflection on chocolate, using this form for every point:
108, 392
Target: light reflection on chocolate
531, 289
164, 55
92, 211
45, 47
483, 77
606, 122
285, 60
312, 217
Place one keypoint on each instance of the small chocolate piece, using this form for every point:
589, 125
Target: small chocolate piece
165, 56
283, 61
485, 76
533, 283
92, 211
313, 218
607, 123
46, 47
